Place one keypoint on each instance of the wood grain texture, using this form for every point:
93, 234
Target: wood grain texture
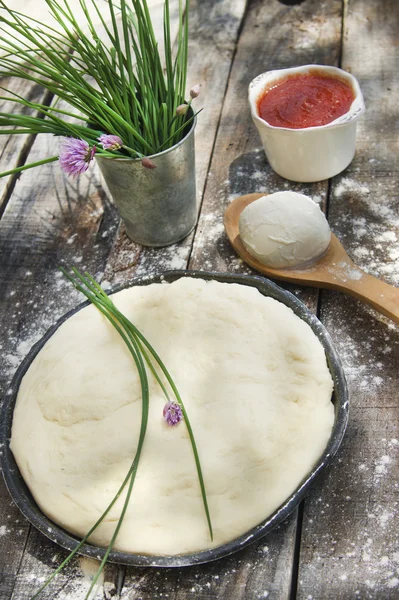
14, 529
270, 33
50, 220
15, 149
273, 36
259, 571
350, 544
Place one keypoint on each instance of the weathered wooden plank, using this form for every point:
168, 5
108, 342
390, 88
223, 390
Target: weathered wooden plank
350, 545
238, 167
239, 577
268, 40
73, 583
50, 220
13, 534
14, 149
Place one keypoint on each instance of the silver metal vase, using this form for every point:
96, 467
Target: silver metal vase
157, 206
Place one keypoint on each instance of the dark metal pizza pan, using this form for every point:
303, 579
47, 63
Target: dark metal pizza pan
25, 502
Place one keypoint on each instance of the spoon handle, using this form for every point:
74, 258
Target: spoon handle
381, 296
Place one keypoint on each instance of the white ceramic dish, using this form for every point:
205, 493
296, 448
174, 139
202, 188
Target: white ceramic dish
313, 153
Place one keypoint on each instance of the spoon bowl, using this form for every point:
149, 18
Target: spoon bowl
334, 270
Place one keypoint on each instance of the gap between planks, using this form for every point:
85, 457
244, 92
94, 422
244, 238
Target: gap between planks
217, 128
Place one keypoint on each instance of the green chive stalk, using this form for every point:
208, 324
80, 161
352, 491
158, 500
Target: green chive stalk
143, 355
119, 84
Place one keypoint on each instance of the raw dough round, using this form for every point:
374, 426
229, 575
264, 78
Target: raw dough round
257, 389
284, 229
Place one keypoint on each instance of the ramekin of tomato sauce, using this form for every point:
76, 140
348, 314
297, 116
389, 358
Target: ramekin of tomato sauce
306, 117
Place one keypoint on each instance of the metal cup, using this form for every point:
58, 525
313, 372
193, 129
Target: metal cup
157, 206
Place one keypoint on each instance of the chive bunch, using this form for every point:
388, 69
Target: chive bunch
120, 86
144, 356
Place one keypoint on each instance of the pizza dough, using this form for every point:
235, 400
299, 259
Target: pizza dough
285, 229
257, 389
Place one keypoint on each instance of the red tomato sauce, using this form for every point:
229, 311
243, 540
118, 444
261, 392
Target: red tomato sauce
305, 100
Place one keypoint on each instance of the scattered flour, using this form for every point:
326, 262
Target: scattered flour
344, 271
382, 465
379, 228
386, 236
59, 298
350, 185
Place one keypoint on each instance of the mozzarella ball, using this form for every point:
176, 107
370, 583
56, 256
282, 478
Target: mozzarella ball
285, 229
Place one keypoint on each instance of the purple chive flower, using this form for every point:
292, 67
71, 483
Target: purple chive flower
110, 142
172, 413
75, 156
148, 164
194, 92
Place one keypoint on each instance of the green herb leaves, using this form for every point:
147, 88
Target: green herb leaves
119, 83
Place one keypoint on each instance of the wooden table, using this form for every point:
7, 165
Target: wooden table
342, 542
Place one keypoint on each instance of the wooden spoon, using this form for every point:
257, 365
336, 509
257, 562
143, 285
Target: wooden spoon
334, 270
